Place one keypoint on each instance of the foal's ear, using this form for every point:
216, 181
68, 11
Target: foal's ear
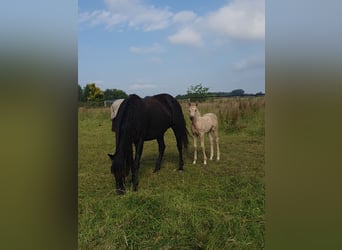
189, 104
196, 104
111, 156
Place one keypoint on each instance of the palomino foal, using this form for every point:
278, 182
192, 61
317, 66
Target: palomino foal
201, 125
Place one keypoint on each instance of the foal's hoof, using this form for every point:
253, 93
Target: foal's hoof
194, 162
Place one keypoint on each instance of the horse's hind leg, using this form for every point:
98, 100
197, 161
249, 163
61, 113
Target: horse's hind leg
180, 149
161, 149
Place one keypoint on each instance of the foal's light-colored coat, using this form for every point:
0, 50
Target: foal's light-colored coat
201, 125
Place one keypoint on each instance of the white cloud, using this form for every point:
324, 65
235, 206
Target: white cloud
239, 19
139, 86
155, 48
243, 19
187, 36
132, 13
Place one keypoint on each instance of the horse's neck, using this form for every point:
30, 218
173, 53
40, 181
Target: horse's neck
196, 121
197, 114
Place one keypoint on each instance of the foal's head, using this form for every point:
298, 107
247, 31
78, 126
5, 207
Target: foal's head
193, 111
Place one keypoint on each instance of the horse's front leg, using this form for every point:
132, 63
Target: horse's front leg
211, 140
195, 149
203, 149
135, 167
161, 149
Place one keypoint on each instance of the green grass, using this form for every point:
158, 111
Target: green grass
217, 206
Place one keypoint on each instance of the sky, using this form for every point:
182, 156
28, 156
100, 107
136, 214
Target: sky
148, 47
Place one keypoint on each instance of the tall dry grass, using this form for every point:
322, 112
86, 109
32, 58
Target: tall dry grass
236, 114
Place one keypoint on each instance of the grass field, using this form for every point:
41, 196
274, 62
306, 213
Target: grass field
215, 206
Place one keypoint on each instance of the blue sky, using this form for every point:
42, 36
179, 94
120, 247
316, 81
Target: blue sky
148, 47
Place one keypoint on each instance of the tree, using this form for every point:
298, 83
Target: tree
112, 94
197, 93
237, 92
92, 93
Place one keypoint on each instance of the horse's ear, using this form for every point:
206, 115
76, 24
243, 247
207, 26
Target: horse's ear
189, 104
111, 156
196, 104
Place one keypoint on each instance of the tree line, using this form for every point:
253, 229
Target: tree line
92, 93
195, 93
199, 93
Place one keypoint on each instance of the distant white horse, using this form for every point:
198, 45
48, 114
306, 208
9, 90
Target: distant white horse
201, 125
115, 107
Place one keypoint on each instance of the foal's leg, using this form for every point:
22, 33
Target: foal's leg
195, 149
217, 143
203, 149
211, 139
161, 147
135, 167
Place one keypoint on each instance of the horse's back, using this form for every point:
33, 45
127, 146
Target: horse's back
207, 122
165, 100
157, 118
211, 116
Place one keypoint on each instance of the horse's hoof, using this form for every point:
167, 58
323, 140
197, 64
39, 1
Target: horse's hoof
205, 163
120, 192
194, 162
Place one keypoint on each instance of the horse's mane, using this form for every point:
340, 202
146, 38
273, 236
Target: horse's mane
128, 127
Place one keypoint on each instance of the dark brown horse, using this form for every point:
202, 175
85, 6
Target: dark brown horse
140, 120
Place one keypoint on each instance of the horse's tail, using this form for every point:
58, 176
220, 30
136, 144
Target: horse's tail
180, 123
184, 132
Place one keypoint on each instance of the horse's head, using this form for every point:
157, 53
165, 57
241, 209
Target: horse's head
119, 174
193, 111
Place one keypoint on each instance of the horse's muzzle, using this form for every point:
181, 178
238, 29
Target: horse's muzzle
120, 186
